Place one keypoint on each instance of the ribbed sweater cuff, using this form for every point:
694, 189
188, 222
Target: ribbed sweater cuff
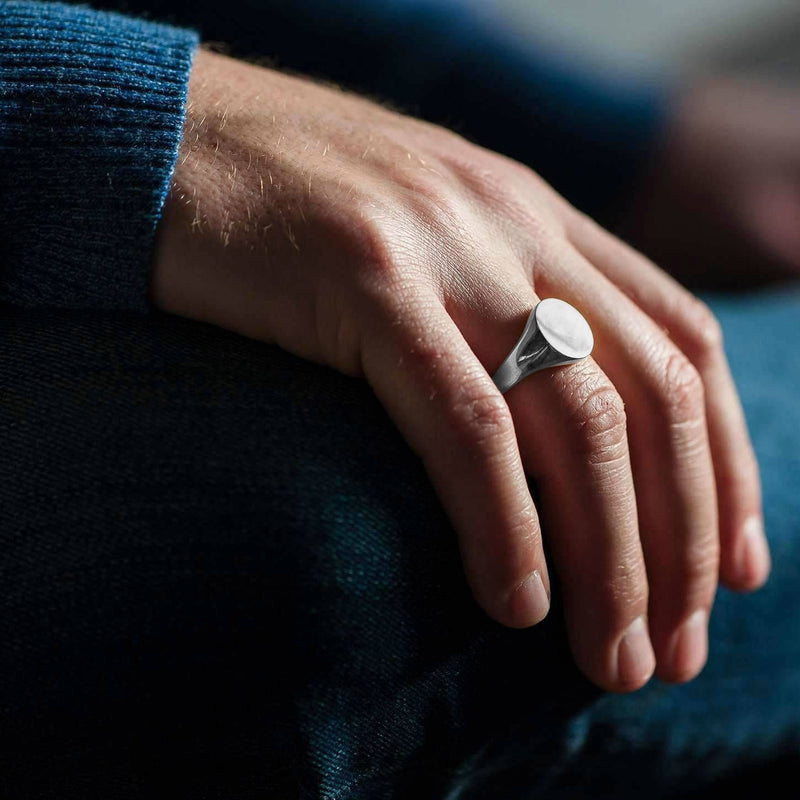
91, 113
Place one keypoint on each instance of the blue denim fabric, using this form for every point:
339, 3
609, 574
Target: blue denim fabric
744, 709
223, 574
526, 726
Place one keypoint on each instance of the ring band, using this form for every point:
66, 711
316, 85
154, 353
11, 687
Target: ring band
555, 334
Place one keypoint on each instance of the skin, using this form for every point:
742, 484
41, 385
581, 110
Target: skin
394, 250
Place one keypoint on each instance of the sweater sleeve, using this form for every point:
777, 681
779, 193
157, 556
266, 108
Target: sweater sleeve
91, 114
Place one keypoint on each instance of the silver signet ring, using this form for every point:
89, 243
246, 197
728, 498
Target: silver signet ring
555, 334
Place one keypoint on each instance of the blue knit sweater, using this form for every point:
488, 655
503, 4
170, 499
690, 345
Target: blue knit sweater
91, 110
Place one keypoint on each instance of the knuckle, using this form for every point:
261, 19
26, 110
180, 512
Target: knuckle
379, 245
704, 337
522, 529
700, 564
543, 243
622, 594
627, 591
372, 240
424, 358
504, 187
512, 550
482, 421
683, 396
601, 423
438, 205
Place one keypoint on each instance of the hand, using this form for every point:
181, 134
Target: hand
392, 249
722, 204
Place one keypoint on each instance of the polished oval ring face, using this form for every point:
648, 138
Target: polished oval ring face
564, 328
556, 334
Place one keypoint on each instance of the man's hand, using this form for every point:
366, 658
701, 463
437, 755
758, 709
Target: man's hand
722, 203
393, 249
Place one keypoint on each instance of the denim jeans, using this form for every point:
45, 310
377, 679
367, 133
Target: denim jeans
223, 574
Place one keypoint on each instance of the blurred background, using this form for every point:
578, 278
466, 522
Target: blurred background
652, 37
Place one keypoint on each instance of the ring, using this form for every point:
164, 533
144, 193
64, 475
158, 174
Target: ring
555, 334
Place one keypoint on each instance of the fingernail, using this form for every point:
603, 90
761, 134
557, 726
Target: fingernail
688, 649
753, 562
635, 657
529, 601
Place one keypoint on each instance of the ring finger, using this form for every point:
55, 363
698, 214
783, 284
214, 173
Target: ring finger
671, 457
570, 425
